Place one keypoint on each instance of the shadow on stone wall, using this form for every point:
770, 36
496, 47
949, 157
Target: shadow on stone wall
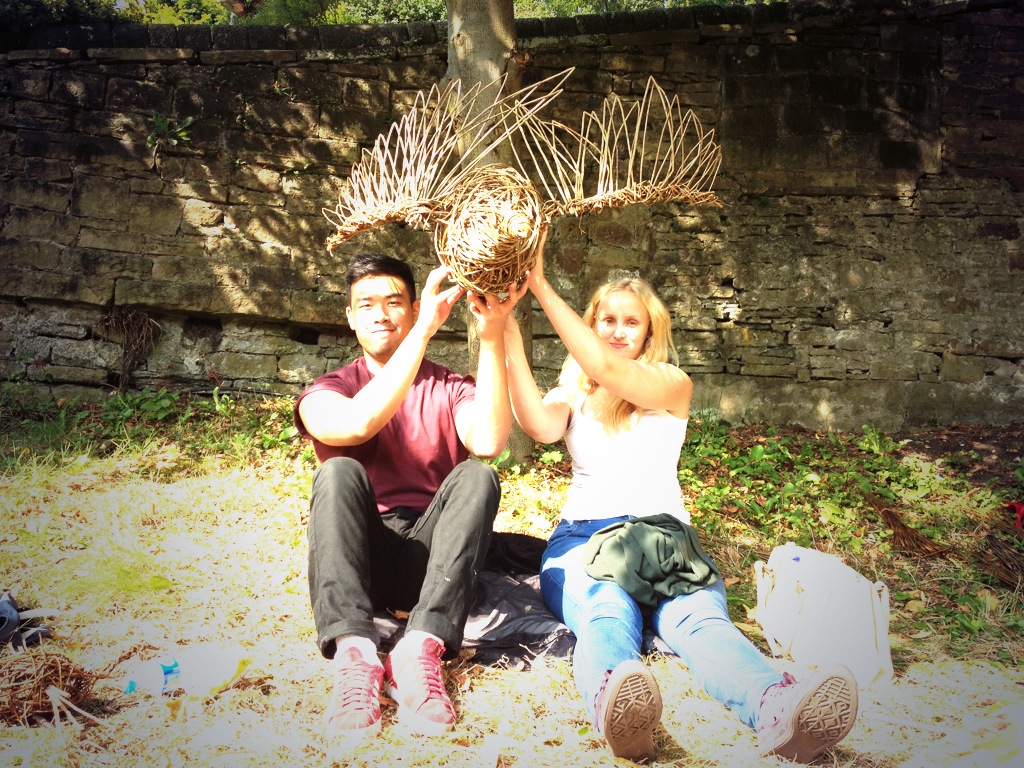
866, 266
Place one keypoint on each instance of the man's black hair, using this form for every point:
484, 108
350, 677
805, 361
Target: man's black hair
373, 264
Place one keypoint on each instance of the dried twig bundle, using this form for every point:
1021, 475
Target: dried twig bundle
905, 538
36, 683
137, 333
489, 229
1003, 561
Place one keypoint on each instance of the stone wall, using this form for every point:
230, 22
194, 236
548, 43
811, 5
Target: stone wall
866, 266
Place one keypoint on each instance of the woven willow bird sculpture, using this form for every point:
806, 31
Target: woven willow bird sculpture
429, 170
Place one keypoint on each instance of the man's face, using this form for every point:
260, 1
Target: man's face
382, 314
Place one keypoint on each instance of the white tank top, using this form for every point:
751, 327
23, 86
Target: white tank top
632, 471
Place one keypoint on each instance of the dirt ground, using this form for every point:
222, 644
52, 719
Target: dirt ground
985, 453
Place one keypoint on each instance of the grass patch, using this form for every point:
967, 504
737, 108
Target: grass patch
152, 520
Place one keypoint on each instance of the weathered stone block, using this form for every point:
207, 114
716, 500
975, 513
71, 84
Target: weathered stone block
20, 253
198, 37
28, 223
89, 353
26, 284
200, 214
134, 95
34, 194
162, 35
130, 36
412, 74
79, 88
317, 308
155, 215
61, 321
930, 404
622, 62
67, 374
230, 36
101, 197
238, 365
301, 369
363, 93
268, 37
964, 369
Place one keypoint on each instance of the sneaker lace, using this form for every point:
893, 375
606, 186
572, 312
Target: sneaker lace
430, 676
773, 700
357, 687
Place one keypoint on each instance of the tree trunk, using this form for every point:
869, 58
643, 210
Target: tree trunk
482, 48
481, 39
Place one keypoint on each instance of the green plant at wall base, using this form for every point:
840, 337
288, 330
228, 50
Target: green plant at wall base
136, 408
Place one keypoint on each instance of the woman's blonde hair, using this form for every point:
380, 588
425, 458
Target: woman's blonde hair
658, 348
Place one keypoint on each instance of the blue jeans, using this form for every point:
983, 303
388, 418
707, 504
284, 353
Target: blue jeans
608, 625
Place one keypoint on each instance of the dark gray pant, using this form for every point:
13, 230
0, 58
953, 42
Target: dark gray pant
361, 561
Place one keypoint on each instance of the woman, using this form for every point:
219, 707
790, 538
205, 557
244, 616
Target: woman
622, 408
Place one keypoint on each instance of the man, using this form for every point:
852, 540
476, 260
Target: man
400, 518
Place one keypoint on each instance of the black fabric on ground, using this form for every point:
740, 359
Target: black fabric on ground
509, 622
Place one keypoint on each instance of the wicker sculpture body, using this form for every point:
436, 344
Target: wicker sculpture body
486, 218
490, 229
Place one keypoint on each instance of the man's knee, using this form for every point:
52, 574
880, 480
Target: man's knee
478, 475
338, 468
338, 484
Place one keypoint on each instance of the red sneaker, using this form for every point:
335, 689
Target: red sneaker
800, 720
415, 681
628, 711
354, 709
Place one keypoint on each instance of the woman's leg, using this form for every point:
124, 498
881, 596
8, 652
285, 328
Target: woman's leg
606, 621
619, 691
725, 663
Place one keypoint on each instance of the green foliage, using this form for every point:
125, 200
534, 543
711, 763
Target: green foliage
562, 8
182, 12
221, 425
807, 488
19, 16
168, 134
390, 11
300, 13
316, 12
550, 457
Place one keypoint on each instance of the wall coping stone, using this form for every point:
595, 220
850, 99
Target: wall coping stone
140, 54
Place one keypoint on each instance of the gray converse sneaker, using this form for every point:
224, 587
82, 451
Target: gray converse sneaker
800, 720
628, 711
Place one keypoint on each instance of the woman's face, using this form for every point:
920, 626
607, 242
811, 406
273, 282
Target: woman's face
621, 320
